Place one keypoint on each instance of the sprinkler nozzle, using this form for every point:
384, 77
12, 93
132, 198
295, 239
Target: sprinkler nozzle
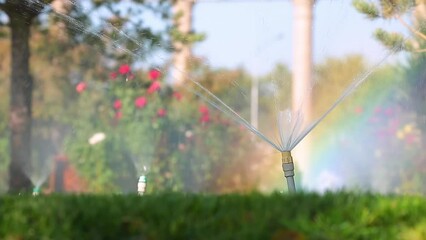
288, 168
286, 157
36, 191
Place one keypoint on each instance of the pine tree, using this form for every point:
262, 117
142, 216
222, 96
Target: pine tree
396, 9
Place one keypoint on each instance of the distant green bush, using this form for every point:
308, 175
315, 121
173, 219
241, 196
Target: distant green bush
183, 216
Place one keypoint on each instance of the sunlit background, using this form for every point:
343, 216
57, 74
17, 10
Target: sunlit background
174, 91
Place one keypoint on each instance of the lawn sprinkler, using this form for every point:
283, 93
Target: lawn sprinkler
142, 185
288, 168
36, 191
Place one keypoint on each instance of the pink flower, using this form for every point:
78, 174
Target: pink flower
178, 96
161, 112
410, 138
113, 75
124, 69
389, 112
203, 109
155, 86
80, 87
140, 102
205, 118
118, 115
117, 104
154, 74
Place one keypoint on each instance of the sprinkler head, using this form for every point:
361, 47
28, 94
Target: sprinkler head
286, 157
36, 191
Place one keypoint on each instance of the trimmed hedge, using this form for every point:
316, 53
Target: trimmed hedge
183, 216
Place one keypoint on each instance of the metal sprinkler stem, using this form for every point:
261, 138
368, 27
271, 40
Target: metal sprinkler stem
288, 168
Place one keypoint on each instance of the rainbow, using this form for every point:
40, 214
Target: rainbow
346, 143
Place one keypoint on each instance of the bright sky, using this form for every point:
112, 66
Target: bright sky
258, 34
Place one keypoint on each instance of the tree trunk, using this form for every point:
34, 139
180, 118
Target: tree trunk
21, 88
182, 10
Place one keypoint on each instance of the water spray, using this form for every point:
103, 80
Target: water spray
292, 127
288, 168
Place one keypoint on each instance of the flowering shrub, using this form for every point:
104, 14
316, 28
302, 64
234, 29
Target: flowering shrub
152, 129
130, 113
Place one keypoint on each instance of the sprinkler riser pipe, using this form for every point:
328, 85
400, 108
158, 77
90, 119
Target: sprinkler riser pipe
288, 169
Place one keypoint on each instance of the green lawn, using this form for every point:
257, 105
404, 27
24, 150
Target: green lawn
183, 216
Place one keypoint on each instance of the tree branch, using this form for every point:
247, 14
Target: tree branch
416, 32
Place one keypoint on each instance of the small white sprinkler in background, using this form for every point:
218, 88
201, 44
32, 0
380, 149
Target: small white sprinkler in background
142, 181
141, 185
36, 191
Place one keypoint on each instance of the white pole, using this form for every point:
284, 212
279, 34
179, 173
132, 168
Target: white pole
302, 71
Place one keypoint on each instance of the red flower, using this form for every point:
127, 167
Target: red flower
155, 86
178, 96
205, 118
161, 112
140, 102
118, 115
203, 109
124, 69
80, 87
113, 75
154, 74
117, 104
